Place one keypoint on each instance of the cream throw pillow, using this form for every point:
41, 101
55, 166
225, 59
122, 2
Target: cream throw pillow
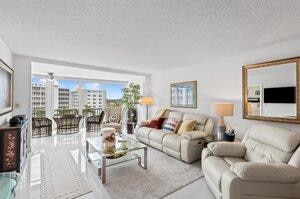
187, 125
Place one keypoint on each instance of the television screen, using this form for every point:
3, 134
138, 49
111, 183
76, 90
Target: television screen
280, 95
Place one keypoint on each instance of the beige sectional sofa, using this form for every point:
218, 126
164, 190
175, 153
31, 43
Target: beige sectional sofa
186, 147
266, 164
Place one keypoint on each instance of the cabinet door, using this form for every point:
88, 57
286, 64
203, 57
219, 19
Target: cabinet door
10, 150
23, 146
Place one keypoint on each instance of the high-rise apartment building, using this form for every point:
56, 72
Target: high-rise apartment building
63, 98
91, 98
38, 97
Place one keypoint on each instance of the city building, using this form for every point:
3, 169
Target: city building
83, 97
63, 98
39, 97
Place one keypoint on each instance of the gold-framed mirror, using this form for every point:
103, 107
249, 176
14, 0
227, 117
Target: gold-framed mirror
271, 91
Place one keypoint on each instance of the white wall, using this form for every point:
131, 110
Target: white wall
6, 56
221, 80
22, 91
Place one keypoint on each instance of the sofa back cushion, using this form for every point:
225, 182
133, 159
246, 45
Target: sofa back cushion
176, 115
295, 159
203, 123
266, 143
160, 113
200, 120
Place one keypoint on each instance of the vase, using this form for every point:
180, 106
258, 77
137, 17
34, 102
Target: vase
131, 119
109, 140
131, 115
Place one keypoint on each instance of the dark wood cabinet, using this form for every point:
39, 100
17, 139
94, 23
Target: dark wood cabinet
14, 146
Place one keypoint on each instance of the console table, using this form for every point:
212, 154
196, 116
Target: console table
14, 146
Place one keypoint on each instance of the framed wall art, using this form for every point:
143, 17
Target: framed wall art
183, 94
6, 88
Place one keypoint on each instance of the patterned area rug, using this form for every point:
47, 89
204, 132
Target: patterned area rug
61, 178
164, 175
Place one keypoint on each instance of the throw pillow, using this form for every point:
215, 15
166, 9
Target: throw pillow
171, 126
187, 125
156, 123
114, 118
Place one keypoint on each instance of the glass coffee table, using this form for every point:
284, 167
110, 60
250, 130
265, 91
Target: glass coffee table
126, 150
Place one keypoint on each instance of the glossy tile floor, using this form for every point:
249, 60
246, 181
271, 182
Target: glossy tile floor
30, 185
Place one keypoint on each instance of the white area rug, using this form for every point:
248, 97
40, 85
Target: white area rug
61, 178
164, 175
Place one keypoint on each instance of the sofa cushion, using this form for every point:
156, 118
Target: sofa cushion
160, 113
267, 143
144, 132
200, 120
186, 125
172, 141
176, 115
260, 152
157, 135
295, 159
232, 160
266, 172
213, 168
282, 139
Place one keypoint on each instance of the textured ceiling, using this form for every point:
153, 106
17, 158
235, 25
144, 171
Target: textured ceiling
144, 36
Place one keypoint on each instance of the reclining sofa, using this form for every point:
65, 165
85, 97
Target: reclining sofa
186, 147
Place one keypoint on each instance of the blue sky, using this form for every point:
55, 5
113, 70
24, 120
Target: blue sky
113, 89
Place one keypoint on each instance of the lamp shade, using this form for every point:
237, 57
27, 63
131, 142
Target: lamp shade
146, 100
222, 109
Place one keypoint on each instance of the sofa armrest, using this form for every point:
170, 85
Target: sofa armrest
143, 123
194, 135
206, 153
266, 172
227, 149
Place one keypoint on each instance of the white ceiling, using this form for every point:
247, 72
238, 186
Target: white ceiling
145, 36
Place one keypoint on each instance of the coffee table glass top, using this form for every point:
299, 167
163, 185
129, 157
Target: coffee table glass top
123, 145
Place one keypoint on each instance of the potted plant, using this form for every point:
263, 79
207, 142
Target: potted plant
130, 100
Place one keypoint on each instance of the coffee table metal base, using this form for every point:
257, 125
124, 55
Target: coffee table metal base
101, 162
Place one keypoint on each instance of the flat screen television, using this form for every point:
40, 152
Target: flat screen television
280, 95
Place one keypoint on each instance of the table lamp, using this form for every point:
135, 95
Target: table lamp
222, 110
147, 101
